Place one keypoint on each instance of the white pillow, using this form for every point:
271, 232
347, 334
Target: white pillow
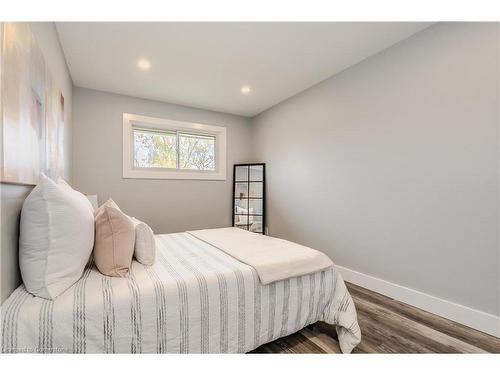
145, 243
241, 210
56, 238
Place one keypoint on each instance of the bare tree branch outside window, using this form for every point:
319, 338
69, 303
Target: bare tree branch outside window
158, 149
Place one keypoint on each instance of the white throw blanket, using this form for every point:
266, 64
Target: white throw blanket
274, 259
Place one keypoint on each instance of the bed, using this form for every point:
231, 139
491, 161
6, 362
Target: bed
194, 299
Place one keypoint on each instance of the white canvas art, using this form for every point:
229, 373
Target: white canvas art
32, 110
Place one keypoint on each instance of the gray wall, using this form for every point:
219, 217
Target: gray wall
166, 205
392, 166
12, 196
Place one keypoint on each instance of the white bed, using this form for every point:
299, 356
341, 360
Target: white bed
195, 299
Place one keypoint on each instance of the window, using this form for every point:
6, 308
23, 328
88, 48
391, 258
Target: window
196, 152
154, 148
173, 150
160, 148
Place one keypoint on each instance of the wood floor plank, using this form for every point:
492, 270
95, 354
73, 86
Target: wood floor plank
296, 343
327, 343
384, 339
474, 337
301, 344
420, 333
388, 326
279, 347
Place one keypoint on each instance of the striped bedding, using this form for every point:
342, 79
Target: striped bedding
194, 299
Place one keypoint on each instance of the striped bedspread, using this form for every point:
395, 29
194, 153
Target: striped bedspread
194, 299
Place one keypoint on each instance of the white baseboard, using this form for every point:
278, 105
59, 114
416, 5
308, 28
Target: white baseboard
462, 314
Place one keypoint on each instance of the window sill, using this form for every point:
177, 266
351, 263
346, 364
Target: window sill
173, 175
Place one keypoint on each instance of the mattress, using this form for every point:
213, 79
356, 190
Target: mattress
194, 299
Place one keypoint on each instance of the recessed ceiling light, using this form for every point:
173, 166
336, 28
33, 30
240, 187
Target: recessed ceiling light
245, 90
144, 64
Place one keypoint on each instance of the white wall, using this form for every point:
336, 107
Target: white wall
12, 196
166, 205
392, 166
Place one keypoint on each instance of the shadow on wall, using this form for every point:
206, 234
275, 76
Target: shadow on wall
12, 201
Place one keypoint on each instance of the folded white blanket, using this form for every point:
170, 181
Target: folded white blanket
273, 258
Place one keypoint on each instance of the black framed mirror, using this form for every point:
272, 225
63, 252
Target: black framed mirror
249, 198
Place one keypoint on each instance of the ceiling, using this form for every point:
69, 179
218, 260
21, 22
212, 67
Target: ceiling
204, 65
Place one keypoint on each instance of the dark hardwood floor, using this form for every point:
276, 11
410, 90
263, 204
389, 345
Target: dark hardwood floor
389, 326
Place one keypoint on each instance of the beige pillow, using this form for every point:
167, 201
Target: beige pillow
114, 240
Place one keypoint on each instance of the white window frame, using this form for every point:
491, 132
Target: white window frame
154, 123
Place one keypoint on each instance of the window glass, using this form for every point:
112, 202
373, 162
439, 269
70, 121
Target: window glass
154, 149
241, 173
241, 220
196, 152
255, 206
256, 190
255, 224
256, 172
241, 190
164, 149
240, 206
